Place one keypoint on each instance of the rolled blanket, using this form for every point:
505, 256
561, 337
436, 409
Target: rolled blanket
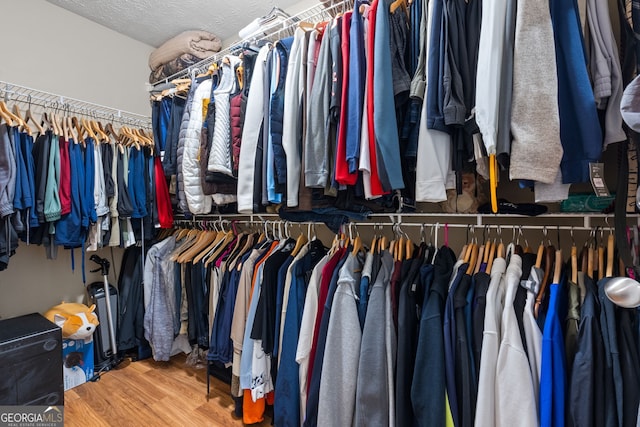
172, 67
200, 44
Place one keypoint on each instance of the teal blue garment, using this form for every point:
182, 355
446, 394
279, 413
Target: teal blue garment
553, 365
52, 207
384, 113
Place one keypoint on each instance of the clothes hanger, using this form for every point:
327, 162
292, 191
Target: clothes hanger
217, 246
500, 251
374, 240
29, 116
590, 261
558, 266
492, 254
187, 254
57, 126
8, 116
610, 253
574, 259
23, 123
409, 249
480, 260
204, 240
303, 240
87, 127
402, 4
64, 128
473, 259
189, 238
550, 254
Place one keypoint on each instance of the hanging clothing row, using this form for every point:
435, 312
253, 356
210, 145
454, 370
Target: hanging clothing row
334, 119
77, 183
399, 333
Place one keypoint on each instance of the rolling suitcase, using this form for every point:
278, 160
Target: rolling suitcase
103, 351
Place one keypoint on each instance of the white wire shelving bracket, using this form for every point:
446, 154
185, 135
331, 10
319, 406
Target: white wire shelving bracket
11, 92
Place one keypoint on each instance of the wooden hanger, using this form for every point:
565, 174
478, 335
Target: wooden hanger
409, 249
600, 262
29, 116
491, 257
540, 255
384, 243
87, 127
500, 250
23, 122
574, 264
473, 259
374, 240
550, 253
189, 239
402, 4
215, 253
110, 131
204, 240
57, 128
240, 76
481, 256
300, 242
65, 128
181, 233
558, 267
8, 116
610, 253
100, 135
584, 259
79, 130
213, 68
590, 261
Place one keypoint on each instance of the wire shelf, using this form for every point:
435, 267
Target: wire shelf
11, 92
270, 33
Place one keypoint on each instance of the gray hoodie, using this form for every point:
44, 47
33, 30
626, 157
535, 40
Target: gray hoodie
7, 172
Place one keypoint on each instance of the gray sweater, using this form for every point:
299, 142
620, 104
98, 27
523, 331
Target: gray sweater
316, 150
536, 150
337, 401
372, 394
604, 69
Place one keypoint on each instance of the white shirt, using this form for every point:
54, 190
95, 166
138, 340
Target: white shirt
514, 394
485, 407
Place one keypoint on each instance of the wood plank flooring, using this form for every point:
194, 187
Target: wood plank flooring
149, 393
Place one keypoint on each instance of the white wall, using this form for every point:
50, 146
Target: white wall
50, 49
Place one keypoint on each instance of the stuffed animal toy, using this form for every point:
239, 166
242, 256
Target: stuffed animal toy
78, 322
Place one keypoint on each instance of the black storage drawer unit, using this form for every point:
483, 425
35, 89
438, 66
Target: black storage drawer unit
30, 361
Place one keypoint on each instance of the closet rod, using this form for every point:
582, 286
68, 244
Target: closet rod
498, 227
11, 92
270, 33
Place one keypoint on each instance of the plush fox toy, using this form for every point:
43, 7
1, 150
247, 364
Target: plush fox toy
78, 322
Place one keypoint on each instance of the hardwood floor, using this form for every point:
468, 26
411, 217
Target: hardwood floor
149, 393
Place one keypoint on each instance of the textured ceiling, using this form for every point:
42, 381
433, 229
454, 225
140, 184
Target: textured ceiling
155, 21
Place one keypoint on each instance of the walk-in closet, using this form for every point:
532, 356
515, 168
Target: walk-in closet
388, 213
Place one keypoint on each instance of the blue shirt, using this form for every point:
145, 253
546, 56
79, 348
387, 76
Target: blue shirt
384, 114
580, 131
553, 371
